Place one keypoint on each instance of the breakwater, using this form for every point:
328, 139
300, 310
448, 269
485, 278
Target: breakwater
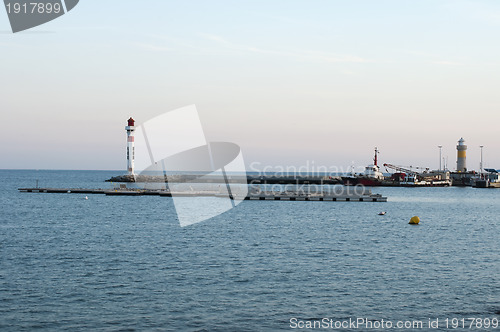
250, 179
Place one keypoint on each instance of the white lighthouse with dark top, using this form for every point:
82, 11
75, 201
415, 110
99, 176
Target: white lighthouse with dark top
130, 128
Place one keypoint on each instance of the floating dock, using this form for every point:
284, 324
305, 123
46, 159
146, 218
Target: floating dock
319, 198
358, 195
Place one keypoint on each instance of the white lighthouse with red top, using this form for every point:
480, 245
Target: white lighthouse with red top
130, 128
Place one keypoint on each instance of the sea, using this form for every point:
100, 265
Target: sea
115, 263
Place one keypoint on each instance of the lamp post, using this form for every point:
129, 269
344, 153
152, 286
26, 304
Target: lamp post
481, 164
440, 148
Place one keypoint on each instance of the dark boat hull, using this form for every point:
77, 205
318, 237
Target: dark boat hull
354, 181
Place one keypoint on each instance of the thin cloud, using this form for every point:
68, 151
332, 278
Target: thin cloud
215, 38
153, 47
175, 44
420, 53
161, 43
448, 63
316, 56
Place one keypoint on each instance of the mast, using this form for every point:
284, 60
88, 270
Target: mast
375, 158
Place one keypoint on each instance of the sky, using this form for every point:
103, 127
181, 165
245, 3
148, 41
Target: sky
293, 83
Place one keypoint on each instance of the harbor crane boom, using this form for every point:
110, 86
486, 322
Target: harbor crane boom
400, 169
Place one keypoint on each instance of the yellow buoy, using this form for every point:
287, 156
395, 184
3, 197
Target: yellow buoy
414, 220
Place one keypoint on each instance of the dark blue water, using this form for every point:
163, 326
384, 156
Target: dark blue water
124, 263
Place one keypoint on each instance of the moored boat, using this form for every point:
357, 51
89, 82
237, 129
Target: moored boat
489, 179
372, 176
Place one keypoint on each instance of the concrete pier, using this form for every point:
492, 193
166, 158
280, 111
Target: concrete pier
361, 195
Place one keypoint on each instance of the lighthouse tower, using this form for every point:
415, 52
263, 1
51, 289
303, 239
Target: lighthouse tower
461, 156
130, 128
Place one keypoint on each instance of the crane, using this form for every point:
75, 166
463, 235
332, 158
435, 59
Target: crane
405, 169
399, 169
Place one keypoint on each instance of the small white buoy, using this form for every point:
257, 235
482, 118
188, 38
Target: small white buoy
381, 213
86, 197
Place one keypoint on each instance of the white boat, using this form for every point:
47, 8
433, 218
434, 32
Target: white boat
412, 180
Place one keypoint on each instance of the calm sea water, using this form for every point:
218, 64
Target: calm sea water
125, 264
